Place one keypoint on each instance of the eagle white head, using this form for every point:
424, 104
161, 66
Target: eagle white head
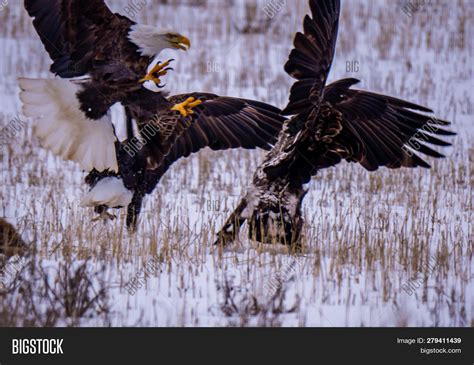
151, 41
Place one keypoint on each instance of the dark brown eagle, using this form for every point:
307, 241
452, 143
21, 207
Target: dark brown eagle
329, 124
111, 54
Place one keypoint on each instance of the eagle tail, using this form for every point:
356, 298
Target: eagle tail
110, 192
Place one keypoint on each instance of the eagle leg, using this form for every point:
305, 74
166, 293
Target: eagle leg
133, 211
186, 107
104, 215
231, 228
276, 225
273, 214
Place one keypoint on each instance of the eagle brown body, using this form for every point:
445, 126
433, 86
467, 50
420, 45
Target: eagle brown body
329, 124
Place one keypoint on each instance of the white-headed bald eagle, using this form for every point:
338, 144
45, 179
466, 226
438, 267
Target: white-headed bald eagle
71, 117
111, 54
329, 124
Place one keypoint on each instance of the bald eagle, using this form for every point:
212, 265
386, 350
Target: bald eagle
329, 124
72, 117
111, 54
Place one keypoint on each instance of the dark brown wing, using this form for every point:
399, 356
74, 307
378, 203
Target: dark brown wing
76, 32
310, 61
219, 123
224, 122
376, 130
357, 126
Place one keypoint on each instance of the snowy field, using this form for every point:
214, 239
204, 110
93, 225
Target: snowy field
390, 248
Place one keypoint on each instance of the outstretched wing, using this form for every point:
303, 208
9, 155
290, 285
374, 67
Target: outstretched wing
219, 123
357, 126
310, 61
376, 130
75, 32
224, 122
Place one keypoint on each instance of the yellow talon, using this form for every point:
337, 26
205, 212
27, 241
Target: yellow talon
160, 69
149, 77
185, 108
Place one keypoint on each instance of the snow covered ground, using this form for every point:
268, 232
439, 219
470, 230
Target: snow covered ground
390, 248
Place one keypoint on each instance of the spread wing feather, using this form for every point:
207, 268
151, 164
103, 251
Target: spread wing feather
75, 33
220, 123
379, 130
310, 60
358, 126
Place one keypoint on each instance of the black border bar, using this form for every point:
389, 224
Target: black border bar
311, 345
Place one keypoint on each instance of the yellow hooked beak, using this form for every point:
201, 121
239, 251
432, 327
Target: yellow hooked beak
180, 42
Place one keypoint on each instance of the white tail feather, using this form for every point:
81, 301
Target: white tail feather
110, 192
63, 128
